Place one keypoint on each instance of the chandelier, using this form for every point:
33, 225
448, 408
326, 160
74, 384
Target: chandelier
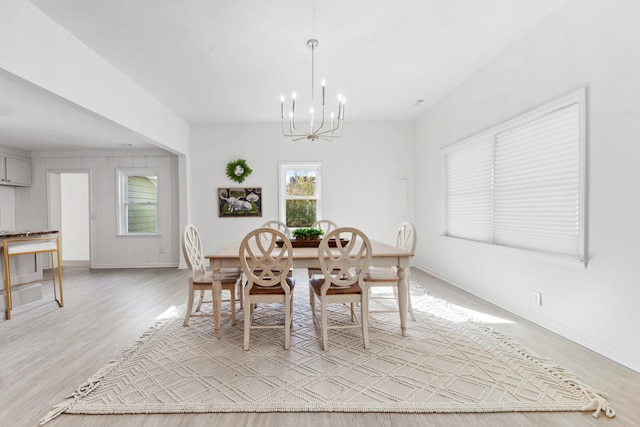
319, 128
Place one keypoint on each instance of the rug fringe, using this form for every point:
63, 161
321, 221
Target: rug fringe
94, 381
598, 402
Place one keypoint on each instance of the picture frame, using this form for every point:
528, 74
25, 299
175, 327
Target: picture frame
239, 202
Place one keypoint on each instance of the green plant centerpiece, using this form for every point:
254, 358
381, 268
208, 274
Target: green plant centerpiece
309, 233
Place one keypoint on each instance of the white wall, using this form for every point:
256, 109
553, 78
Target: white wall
584, 42
109, 250
360, 175
7, 208
74, 195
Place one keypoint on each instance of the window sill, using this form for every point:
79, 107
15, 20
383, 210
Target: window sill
544, 256
138, 235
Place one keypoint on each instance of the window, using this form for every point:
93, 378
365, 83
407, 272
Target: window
300, 194
521, 184
138, 201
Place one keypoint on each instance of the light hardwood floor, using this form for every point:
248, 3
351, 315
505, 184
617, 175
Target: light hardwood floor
46, 352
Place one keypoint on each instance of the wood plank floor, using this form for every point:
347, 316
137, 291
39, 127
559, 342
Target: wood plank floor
46, 352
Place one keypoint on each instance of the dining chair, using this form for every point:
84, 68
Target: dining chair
266, 266
377, 277
325, 225
342, 281
201, 279
278, 225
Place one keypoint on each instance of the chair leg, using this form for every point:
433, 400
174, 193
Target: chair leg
247, 325
364, 319
287, 323
200, 301
325, 324
233, 306
189, 308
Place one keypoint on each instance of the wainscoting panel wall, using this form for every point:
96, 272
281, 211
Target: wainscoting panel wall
108, 250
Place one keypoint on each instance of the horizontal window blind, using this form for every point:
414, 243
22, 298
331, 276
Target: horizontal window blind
468, 202
536, 184
521, 183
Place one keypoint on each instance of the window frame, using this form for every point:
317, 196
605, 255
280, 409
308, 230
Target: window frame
579, 98
123, 175
283, 167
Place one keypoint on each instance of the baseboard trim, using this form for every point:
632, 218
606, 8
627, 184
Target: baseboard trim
71, 263
171, 265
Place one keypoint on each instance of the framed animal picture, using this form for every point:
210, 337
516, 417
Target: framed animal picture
239, 202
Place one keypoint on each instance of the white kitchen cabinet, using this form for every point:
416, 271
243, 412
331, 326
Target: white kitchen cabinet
15, 171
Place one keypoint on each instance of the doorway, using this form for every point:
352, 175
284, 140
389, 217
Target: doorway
69, 196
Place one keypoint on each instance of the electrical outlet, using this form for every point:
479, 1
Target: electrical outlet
537, 298
161, 250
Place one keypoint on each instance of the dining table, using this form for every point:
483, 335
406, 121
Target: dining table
382, 255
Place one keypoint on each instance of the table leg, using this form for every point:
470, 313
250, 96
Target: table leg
403, 292
216, 292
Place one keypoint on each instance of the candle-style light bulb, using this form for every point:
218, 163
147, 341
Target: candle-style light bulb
322, 91
282, 106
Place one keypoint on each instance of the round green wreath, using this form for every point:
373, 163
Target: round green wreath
238, 170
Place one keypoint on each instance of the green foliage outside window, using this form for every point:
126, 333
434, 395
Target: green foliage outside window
301, 213
300, 207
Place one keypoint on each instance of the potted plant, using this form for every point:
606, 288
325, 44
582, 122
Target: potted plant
309, 233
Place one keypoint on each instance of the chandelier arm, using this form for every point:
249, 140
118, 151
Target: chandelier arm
338, 125
332, 132
293, 127
297, 134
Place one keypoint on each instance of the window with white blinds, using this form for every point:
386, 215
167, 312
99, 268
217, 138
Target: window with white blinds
522, 183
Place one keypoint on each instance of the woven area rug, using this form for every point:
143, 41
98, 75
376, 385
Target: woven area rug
448, 363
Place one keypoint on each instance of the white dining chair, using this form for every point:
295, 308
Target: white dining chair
342, 281
266, 266
201, 279
377, 277
326, 225
278, 225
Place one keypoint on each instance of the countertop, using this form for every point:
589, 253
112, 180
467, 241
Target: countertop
15, 234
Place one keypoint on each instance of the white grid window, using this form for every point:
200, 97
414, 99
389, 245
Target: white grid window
300, 193
137, 201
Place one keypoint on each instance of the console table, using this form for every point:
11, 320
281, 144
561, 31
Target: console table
17, 243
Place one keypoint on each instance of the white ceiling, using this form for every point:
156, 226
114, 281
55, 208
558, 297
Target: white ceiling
229, 61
